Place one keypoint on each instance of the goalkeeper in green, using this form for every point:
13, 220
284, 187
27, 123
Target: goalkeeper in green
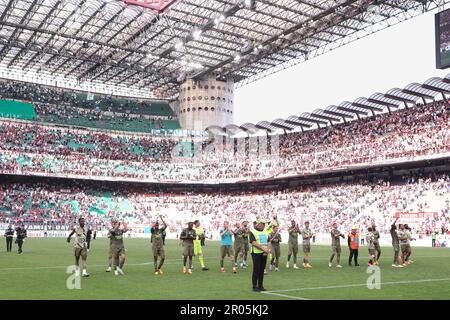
200, 234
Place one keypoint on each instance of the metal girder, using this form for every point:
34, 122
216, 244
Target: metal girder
383, 103
417, 94
53, 9
23, 19
360, 105
264, 125
393, 97
286, 32
296, 123
324, 117
312, 120
358, 112
363, 106
280, 123
338, 114
435, 89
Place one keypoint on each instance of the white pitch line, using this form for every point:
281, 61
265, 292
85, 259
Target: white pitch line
356, 285
90, 266
284, 295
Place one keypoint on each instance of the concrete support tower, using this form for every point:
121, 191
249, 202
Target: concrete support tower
205, 103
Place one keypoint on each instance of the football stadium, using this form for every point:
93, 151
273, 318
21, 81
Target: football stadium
127, 174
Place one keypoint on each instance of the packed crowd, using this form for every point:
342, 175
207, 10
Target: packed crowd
408, 134
74, 115
43, 140
361, 204
55, 105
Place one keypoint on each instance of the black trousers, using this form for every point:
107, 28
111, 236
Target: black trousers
88, 243
353, 253
433, 242
19, 243
9, 241
259, 264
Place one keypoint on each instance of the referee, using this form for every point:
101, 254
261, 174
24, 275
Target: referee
260, 250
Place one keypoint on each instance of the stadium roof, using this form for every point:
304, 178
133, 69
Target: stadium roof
361, 107
151, 49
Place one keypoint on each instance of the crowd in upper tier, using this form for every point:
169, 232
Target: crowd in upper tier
70, 108
404, 135
57, 206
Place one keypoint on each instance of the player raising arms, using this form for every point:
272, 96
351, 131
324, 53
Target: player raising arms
336, 236
376, 242
269, 229
274, 240
117, 246
226, 246
158, 245
406, 244
293, 231
306, 236
187, 237
80, 247
371, 247
239, 244
396, 245
200, 236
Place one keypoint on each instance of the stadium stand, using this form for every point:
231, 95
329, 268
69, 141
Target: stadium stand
409, 134
56, 206
87, 110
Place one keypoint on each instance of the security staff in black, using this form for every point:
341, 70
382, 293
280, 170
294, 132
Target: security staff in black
88, 238
260, 250
9, 235
21, 235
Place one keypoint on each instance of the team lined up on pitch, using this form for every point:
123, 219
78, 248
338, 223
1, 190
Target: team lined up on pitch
262, 241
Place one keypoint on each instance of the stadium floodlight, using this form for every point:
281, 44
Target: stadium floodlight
219, 19
248, 45
179, 45
250, 4
196, 34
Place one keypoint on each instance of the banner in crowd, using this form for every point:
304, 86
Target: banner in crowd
415, 217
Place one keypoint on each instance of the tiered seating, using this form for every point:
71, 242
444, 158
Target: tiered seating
85, 110
347, 204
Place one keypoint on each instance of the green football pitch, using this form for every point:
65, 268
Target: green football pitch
40, 273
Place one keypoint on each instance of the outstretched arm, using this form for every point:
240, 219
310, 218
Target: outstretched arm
70, 235
164, 223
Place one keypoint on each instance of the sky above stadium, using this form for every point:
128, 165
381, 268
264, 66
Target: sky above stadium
394, 57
